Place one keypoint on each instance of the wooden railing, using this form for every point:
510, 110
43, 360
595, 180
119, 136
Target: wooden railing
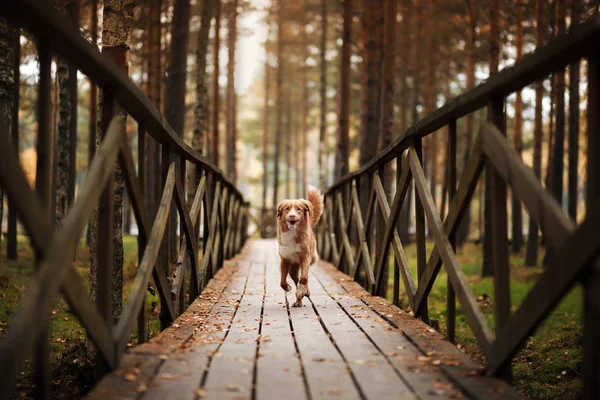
217, 204
355, 242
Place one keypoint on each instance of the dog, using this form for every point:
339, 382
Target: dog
296, 239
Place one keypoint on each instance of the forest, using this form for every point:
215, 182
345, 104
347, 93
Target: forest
283, 94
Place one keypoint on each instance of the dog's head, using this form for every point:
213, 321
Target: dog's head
294, 213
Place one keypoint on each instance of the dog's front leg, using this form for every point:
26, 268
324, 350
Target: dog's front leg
285, 268
302, 288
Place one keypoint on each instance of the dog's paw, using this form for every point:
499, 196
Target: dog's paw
301, 291
286, 287
298, 303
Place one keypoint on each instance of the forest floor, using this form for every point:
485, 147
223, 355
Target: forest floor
72, 374
548, 367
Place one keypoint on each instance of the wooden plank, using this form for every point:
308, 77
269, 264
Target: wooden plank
231, 371
142, 327
459, 368
466, 188
473, 314
451, 297
331, 231
182, 373
140, 283
422, 311
56, 261
391, 219
374, 375
420, 372
279, 371
346, 248
187, 227
541, 205
399, 255
363, 250
499, 234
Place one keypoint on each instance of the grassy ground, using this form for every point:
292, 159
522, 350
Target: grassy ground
72, 373
548, 367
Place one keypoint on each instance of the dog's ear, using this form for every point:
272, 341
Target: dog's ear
308, 207
279, 209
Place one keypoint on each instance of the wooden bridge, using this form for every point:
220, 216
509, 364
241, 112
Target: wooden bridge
238, 338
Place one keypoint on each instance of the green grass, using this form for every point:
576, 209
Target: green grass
549, 364
67, 336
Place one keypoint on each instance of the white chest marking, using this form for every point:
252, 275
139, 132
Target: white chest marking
289, 249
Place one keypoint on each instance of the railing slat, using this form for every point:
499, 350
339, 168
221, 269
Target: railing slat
474, 316
451, 297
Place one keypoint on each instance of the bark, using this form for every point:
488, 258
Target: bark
266, 124
532, 237
487, 269
573, 122
278, 100
387, 113
462, 233
93, 118
517, 220
11, 242
63, 143
175, 96
216, 95
116, 32
342, 145
430, 151
200, 109
288, 144
305, 110
559, 135
372, 32
8, 44
322, 164
154, 91
231, 98
72, 7
408, 68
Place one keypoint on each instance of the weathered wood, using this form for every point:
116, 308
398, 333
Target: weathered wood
363, 250
188, 230
540, 204
467, 300
399, 255
142, 239
499, 223
451, 297
147, 266
346, 248
466, 188
421, 311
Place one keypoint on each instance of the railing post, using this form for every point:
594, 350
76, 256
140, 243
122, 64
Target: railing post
591, 326
381, 287
451, 300
43, 184
164, 262
420, 233
396, 295
142, 332
499, 239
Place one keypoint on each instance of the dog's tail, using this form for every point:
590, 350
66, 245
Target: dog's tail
316, 199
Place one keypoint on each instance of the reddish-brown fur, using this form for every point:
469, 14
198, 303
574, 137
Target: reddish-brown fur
296, 239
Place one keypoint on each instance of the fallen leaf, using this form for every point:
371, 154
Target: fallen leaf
130, 376
233, 388
200, 393
142, 387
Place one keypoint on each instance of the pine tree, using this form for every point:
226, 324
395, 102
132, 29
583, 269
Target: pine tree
342, 145
517, 220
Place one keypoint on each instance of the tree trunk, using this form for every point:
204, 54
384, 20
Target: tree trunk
487, 269
517, 220
278, 100
63, 142
72, 7
93, 100
117, 20
288, 144
532, 236
216, 89
200, 110
266, 125
372, 32
305, 110
559, 136
231, 99
573, 122
430, 152
9, 37
342, 145
11, 243
323, 124
408, 67
462, 233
